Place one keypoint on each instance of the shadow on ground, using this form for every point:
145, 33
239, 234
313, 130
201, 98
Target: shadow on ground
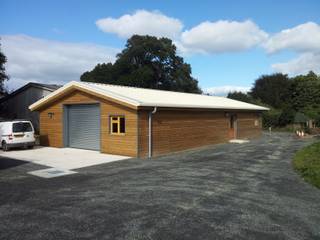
9, 163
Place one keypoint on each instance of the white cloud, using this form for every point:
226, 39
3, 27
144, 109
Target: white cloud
222, 36
224, 90
142, 22
300, 65
46, 61
207, 37
302, 38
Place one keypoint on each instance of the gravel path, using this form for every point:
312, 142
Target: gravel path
229, 191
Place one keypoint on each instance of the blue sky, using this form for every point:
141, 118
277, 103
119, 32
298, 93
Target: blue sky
228, 43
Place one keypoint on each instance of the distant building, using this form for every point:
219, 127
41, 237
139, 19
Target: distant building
15, 105
302, 121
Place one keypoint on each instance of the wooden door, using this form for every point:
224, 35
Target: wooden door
233, 126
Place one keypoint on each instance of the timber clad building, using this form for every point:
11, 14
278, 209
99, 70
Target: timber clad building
141, 122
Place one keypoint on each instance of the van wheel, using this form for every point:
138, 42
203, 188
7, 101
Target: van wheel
30, 147
5, 146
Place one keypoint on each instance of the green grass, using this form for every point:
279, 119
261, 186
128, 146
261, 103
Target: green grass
307, 163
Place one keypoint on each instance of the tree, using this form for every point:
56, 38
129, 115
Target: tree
147, 62
271, 118
273, 89
305, 92
240, 96
3, 75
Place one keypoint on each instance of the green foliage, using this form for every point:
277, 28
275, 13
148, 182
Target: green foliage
3, 75
307, 163
147, 62
272, 89
271, 118
286, 117
314, 113
240, 96
305, 93
287, 96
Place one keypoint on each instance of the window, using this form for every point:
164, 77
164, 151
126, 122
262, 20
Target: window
117, 125
21, 127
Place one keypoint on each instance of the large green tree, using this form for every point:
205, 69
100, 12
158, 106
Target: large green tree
288, 96
305, 91
240, 96
147, 62
3, 75
273, 89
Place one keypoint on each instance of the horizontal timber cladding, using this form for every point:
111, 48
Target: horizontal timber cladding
174, 131
51, 123
249, 125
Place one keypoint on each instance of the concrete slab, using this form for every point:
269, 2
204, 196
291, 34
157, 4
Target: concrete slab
239, 141
51, 172
62, 158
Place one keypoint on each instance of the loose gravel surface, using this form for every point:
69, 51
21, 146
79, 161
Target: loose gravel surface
228, 191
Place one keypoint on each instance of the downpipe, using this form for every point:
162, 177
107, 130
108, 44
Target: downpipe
150, 132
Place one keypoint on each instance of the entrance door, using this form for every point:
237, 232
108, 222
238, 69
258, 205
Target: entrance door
233, 126
82, 126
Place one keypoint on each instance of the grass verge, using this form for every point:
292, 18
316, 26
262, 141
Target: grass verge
307, 163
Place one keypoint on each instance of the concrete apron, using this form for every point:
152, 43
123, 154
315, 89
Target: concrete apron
61, 160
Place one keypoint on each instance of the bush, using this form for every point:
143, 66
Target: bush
271, 118
286, 117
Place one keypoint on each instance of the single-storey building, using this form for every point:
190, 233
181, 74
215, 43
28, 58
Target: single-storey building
141, 122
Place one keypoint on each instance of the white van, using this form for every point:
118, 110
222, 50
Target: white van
17, 133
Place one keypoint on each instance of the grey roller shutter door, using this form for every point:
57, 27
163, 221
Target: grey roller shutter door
83, 126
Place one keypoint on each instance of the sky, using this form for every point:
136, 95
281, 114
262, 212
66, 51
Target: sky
228, 43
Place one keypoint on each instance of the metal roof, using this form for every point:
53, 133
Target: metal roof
141, 97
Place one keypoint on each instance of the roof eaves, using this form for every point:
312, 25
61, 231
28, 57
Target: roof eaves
256, 108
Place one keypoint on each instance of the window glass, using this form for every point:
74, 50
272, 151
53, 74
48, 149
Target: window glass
21, 127
114, 127
122, 125
117, 125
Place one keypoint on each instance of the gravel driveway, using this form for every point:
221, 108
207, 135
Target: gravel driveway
229, 191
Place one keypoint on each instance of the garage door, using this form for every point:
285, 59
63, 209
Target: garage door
83, 126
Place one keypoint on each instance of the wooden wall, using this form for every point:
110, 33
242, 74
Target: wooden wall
51, 130
249, 125
174, 131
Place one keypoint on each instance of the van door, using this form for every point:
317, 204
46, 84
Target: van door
22, 132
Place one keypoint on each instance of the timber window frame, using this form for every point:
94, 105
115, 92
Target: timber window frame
117, 125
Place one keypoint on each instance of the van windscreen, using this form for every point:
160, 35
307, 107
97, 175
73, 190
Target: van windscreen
21, 127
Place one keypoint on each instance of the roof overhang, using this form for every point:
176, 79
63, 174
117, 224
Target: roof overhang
69, 87
127, 101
